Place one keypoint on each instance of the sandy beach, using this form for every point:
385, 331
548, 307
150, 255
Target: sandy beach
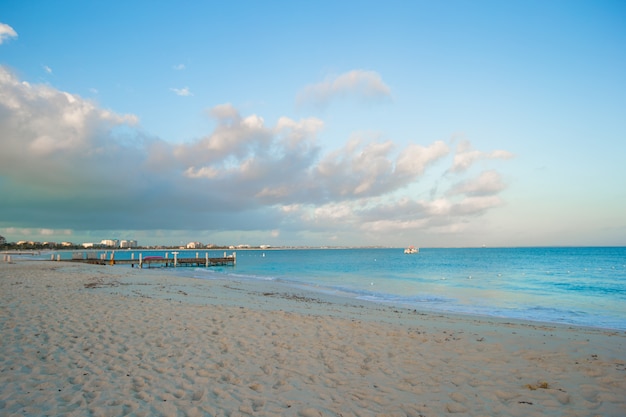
87, 340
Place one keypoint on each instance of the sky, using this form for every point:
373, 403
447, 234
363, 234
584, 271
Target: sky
354, 123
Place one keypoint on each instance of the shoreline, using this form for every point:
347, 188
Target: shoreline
517, 285
307, 292
84, 339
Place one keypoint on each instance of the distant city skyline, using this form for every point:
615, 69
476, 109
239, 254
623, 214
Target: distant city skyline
435, 124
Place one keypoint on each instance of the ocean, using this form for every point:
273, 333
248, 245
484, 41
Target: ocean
584, 286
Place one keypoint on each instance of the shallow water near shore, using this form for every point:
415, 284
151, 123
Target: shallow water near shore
584, 286
580, 286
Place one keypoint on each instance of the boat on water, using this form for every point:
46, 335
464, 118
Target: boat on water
411, 250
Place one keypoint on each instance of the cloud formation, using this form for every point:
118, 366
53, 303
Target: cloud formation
68, 164
6, 32
466, 156
359, 84
488, 183
184, 92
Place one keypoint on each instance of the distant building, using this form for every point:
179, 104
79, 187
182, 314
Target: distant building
112, 243
194, 245
66, 244
128, 244
87, 245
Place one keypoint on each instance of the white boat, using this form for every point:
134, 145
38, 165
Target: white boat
411, 249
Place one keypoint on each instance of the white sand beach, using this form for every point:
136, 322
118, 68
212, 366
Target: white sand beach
87, 340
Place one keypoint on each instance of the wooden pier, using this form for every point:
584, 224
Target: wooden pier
164, 262
160, 261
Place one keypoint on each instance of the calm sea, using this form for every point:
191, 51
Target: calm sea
580, 286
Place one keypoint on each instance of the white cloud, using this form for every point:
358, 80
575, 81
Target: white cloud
361, 166
401, 219
415, 158
466, 156
204, 172
370, 168
333, 213
52, 137
47, 69
6, 32
45, 120
233, 139
488, 183
179, 67
294, 133
67, 163
184, 92
475, 205
360, 84
224, 113
386, 226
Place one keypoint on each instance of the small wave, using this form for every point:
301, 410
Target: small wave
416, 300
204, 273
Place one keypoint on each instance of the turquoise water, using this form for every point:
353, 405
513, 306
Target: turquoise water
579, 286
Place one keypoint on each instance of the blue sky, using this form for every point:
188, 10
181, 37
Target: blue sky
389, 123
